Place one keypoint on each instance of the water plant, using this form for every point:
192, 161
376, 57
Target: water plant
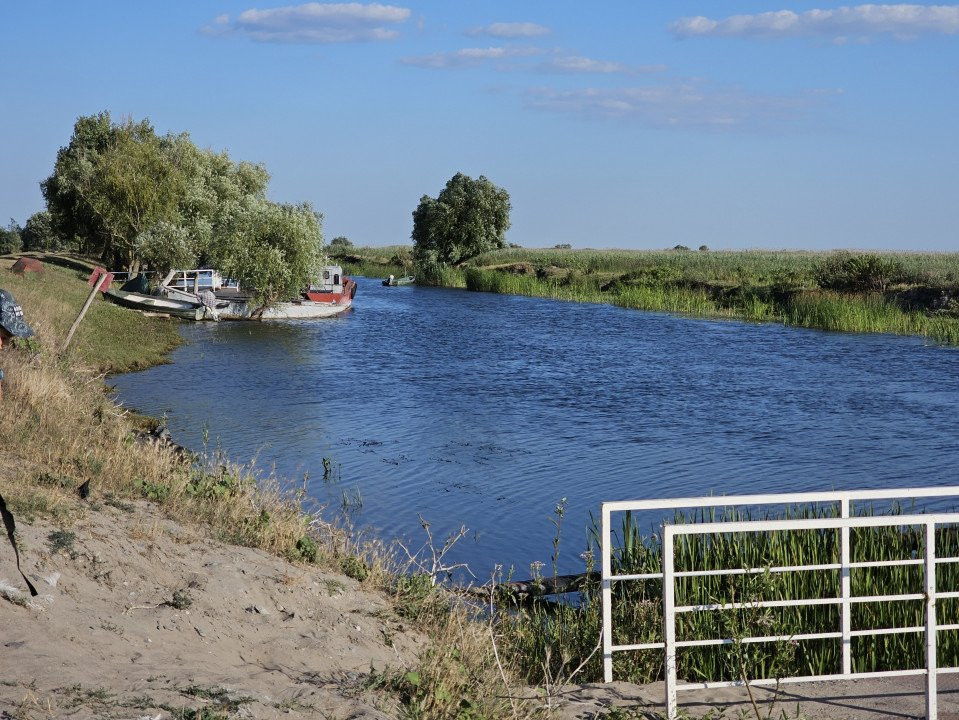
564, 633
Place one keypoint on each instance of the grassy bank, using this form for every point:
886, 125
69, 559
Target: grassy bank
59, 430
57, 415
898, 293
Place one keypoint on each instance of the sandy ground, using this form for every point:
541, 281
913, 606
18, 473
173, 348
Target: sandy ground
140, 617
897, 699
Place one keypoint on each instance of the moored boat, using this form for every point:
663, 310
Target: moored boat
153, 303
396, 281
332, 294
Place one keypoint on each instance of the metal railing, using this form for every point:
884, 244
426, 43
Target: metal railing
843, 524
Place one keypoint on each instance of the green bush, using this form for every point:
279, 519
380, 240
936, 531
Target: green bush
846, 272
307, 549
355, 568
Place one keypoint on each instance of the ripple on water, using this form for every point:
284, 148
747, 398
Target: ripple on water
487, 410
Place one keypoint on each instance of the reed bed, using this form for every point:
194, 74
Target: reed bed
669, 299
751, 266
853, 313
754, 286
557, 637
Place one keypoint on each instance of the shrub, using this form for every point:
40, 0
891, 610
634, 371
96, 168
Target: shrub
355, 568
307, 549
404, 258
847, 272
340, 242
10, 241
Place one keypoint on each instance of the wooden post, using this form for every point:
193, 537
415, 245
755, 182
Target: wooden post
86, 306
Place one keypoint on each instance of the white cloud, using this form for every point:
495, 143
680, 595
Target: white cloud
679, 105
315, 23
469, 56
861, 21
509, 30
578, 64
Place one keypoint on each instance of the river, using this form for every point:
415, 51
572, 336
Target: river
490, 410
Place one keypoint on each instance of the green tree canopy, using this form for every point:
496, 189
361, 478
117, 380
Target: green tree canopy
38, 233
71, 215
468, 218
128, 196
111, 184
10, 241
275, 249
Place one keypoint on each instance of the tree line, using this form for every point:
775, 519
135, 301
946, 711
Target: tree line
124, 194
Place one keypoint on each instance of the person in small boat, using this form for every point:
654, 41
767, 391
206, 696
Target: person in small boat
12, 324
392, 280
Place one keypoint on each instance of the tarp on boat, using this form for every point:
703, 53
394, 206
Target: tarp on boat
137, 284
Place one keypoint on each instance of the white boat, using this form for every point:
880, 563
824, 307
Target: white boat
152, 303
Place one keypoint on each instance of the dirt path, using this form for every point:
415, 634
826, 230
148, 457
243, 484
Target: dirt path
142, 617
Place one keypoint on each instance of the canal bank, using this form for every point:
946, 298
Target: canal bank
178, 589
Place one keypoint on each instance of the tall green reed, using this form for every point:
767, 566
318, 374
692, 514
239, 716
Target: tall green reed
565, 634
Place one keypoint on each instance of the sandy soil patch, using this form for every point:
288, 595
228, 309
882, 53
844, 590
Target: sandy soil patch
139, 616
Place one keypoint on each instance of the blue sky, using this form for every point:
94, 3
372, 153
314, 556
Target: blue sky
774, 124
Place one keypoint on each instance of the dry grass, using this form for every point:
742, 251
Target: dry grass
59, 430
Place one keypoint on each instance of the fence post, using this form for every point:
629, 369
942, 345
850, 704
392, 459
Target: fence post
846, 582
607, 598
669, 623
932, 670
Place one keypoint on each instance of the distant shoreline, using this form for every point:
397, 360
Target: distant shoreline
906, 293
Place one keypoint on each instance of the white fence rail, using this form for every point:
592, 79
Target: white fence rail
842, 524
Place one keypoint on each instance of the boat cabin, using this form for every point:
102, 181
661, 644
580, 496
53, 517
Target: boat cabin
329, 285
195, 281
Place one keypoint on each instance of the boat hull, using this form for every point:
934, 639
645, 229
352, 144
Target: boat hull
299, 309
153, 303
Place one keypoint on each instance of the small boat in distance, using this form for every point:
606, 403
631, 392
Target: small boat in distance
395, 281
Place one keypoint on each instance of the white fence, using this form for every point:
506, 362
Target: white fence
846, 600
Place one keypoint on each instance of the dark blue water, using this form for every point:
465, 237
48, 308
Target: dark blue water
489, 410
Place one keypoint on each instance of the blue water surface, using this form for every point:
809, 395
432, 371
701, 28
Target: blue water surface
489, 410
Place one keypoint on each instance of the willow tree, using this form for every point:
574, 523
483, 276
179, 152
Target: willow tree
131, 196
468, 217
114, 183
275, 250
217, 195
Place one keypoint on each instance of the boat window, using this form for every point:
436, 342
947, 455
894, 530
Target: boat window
336, 279
326, 274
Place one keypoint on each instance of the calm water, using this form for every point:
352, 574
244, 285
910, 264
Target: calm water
488, 410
